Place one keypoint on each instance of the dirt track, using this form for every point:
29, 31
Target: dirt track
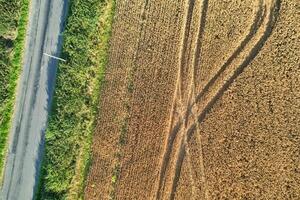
200, 102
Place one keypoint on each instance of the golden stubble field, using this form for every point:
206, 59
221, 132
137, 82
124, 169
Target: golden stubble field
201, 100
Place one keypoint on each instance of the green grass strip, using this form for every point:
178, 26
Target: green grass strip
14, 64
76, 99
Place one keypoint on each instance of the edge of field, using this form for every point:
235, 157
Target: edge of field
76, 99
15, 70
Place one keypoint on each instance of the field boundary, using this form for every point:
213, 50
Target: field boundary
76, 99
83, 167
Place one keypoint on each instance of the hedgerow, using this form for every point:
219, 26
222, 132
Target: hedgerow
68, 138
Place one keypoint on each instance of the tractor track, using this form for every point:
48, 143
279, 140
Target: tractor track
260, 29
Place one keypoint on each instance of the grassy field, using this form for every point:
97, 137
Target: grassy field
68, 138
14, 16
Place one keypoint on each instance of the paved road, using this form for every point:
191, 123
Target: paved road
33, 99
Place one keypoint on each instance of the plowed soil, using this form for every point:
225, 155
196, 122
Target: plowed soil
201, 101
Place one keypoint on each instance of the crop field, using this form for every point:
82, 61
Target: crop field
13, 21
200, 101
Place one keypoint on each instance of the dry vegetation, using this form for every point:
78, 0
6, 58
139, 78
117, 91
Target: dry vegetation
201, 100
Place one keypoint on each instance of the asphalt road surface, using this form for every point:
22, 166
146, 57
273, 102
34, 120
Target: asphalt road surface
46, 22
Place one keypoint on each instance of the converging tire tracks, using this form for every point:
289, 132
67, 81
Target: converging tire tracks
177, 107
174, 107
199, 105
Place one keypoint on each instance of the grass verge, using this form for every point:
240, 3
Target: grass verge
75, 104
14, 18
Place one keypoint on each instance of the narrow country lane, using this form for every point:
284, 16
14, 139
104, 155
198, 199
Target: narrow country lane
46, 23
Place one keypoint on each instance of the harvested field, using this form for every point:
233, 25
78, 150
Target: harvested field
201, 101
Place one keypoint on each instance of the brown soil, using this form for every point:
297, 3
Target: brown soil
201, 101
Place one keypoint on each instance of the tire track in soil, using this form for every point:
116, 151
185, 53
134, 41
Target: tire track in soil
254, 27
177, 102
230, 60
191, 98
172, 131
206, 103
271, 15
